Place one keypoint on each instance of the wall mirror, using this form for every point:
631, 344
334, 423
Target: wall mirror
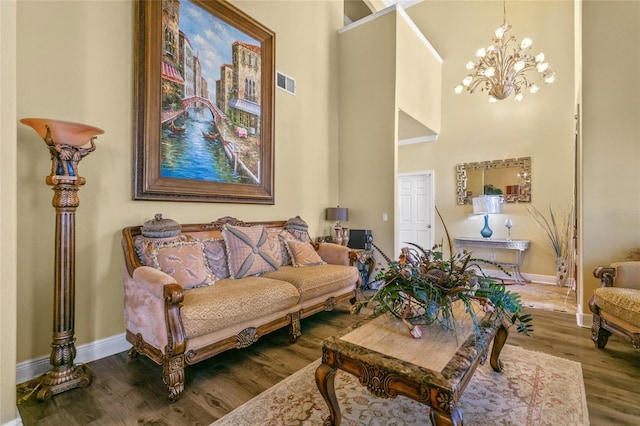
510, 178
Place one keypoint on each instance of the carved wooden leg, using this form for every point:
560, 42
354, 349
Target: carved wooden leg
325, 376
599, 335
498, 343
295, 330
133, 353
440, 418
173, 376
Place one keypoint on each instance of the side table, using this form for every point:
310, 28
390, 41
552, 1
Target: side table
363, 259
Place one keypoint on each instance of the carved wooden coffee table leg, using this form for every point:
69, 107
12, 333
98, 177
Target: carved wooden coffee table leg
325, 376
498, 342
440, 418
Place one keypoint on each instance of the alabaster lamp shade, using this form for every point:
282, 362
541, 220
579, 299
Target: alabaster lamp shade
63, 132
338, 214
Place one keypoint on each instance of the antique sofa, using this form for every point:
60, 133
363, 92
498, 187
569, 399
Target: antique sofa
193, 291
616, 303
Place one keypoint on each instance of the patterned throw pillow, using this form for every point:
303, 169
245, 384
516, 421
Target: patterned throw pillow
216, 257
184, 261
275, 245
146, 245
248, 251
303, 254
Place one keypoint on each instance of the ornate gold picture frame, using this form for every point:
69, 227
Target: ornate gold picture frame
204, 103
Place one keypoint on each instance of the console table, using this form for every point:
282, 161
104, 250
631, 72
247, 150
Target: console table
518, 246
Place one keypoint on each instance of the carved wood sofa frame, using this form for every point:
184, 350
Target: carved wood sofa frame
175, 357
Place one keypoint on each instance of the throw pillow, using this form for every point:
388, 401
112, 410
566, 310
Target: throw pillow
184, 261
303, 254
248, 251
146, 245
275, 245
216, 257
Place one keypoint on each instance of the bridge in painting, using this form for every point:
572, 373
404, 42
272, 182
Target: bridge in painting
170, 116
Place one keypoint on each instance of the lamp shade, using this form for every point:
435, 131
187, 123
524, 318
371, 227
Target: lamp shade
338, 214
487, 204
63, 132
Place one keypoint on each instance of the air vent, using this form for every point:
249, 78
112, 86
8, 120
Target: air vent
285, 83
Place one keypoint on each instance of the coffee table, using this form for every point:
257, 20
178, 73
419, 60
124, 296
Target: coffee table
433, 370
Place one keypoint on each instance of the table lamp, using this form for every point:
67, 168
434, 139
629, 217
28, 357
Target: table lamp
66, 143
339, 214
486, 205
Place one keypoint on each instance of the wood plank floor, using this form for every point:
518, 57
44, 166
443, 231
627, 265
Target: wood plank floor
130, 391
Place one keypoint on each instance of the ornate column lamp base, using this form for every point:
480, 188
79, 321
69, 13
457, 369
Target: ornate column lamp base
65, 141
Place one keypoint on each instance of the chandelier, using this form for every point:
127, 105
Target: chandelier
505, 67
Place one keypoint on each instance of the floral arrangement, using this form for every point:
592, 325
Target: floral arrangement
420, 287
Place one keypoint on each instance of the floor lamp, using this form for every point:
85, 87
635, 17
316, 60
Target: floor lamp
66, 143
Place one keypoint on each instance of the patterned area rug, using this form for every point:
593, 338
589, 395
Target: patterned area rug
533, 389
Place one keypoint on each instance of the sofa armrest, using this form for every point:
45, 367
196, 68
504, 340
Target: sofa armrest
152, 280
152, 309
334, 254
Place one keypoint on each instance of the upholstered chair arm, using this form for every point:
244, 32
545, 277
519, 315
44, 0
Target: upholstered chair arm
619, 274
606, 274
334, 253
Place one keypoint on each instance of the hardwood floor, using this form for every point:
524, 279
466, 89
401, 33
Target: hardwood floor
130, 391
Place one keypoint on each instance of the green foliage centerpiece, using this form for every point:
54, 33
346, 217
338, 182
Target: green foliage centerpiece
421, 286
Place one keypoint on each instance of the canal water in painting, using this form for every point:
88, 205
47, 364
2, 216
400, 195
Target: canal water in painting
188, 154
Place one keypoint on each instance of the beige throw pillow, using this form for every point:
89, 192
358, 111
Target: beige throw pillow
248, 250
184, 261
303, 254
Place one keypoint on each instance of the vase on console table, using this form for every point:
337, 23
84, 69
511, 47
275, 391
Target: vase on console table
486, 232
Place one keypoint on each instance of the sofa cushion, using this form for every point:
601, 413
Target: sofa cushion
248, 251
623, 303
303, 254
184, 261
314, 281
230, 302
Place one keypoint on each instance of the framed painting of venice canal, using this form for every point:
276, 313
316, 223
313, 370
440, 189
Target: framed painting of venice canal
204, 103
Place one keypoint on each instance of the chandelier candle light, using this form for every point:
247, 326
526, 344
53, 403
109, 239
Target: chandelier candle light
66, 142
501, 69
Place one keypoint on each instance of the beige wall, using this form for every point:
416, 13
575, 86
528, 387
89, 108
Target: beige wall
610, 135
8, 212
75, 62
368, 126
540, 127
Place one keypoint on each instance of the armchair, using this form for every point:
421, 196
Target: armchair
616, 303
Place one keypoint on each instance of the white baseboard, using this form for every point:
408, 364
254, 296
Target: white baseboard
15, 422
31, 369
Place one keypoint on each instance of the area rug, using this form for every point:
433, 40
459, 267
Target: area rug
533, 389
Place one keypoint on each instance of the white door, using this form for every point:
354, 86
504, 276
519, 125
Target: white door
415, 210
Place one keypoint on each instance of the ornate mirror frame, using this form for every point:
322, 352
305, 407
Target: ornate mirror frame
518, 192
